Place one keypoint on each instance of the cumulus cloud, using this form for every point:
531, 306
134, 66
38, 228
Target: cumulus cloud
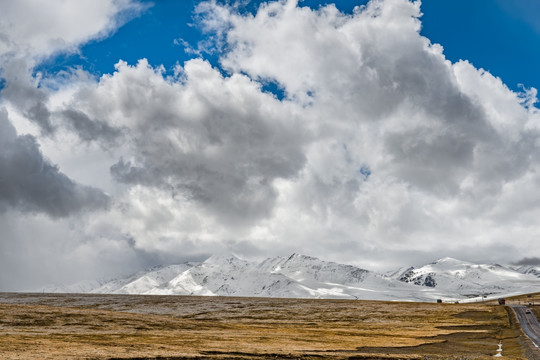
380, 142
34, 28
361, 70
445, 143
31, 31
218, 141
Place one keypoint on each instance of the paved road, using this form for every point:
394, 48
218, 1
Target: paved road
529, 323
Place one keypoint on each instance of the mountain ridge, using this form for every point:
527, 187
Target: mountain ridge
303, 276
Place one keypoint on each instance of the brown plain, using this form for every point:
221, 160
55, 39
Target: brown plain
68, 326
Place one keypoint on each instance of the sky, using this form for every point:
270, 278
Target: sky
380, 133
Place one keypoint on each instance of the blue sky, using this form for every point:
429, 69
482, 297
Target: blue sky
501, 36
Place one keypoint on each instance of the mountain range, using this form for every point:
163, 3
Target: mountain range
301, 276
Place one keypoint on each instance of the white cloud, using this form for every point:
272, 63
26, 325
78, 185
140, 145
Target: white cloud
40, 28
217, 141
373, 92
32, 31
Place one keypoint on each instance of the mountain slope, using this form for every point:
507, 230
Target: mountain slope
145, 281
231, 276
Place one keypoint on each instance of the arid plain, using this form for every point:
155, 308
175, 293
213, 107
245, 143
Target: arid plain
67, 326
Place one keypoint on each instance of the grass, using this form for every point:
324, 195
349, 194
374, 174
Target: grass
40, 326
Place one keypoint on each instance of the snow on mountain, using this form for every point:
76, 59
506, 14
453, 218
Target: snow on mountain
300, 276
143, 282
301, 268
332, 280
528, 269
231, 276
294, 276
465, 279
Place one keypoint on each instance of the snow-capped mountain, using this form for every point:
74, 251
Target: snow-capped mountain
230, 276
300, 276
465, 279
293, 276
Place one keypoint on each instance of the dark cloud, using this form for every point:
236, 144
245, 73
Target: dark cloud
88, 129
535, 261
25, 96
30, 183
22, 92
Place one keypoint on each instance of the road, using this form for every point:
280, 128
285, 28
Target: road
529, 323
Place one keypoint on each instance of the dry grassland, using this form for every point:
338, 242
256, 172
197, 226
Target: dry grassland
36, 326
528, 299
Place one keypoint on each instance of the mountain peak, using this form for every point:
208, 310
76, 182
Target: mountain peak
447, 260
450, 262
300, 256
223, 259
